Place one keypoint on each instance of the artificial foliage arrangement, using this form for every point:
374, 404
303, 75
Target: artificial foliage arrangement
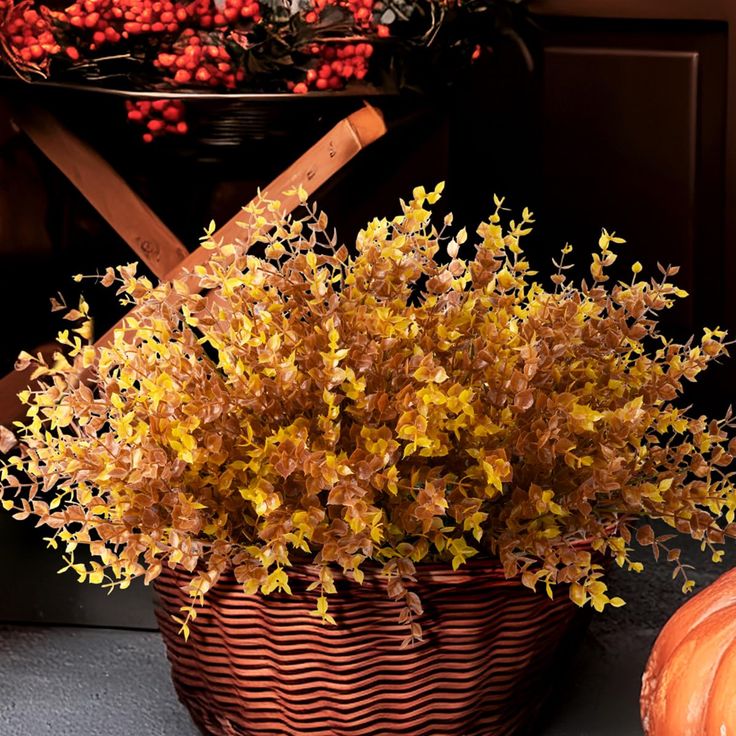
422, 399
244, 45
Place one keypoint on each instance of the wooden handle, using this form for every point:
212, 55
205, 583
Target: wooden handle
105, 190
322, 161
10, 386
310, 171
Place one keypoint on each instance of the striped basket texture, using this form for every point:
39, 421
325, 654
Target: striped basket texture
262, 666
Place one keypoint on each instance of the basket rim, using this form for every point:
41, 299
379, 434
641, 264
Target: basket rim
473, 570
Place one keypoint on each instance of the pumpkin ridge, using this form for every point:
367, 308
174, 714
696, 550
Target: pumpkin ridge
721, 705
673, 702
717, 596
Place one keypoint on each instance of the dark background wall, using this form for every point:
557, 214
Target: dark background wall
626, 122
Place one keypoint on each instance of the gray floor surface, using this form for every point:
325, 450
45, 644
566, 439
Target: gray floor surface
102, 682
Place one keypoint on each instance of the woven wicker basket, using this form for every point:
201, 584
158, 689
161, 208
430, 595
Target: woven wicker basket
263, 666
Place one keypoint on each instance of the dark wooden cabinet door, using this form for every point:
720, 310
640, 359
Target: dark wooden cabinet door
627, 122
633, 139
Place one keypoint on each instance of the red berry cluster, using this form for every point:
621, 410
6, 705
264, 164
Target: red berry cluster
29, 34
100, 22
93, 22
208, 14
362, 11
145, 16
336, 65
107, 21
158, 116
196, 59
190, 42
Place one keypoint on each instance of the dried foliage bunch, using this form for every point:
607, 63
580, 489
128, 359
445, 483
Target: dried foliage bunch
400, 405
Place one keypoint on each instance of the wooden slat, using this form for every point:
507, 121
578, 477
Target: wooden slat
105, 190
10, 386
322, 161
311, 170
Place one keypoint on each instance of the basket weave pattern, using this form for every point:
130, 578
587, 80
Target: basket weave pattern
262, 666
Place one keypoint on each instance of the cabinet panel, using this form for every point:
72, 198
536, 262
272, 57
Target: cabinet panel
636, 115
621, 124
620, 148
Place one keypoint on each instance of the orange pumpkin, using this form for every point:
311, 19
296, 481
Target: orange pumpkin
689, 685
